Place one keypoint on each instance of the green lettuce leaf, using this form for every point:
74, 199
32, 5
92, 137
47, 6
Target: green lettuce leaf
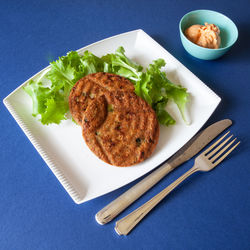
39, 95
161, 89
50, 105
123, 66
56, 107
50, 102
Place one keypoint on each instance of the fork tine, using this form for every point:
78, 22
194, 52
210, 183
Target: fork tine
219, 147
226, 154
212, 146
223, 150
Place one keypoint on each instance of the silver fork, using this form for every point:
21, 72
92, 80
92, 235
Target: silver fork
206, 161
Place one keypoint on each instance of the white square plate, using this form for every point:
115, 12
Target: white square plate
62, 147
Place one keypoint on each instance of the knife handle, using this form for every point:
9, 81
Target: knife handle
127, 223
114, 208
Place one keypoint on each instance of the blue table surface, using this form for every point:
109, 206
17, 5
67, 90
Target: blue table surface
208, 211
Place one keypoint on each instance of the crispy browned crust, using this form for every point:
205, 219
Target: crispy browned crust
117, 125
93, 86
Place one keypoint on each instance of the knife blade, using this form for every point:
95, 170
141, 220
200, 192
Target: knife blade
190, 149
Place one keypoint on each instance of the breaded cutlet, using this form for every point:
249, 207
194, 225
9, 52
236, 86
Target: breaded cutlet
117, 125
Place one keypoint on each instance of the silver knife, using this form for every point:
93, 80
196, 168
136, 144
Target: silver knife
190, 149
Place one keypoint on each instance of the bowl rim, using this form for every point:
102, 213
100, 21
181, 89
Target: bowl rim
200, 47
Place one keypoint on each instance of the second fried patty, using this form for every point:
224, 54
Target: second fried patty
117, 125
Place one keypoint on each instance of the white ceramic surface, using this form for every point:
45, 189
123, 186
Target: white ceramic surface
62, 147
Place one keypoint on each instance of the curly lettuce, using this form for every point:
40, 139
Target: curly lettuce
50, 101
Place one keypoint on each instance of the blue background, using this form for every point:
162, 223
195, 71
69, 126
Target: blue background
208, 211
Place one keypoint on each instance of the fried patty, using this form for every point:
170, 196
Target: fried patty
93, 86
117, 125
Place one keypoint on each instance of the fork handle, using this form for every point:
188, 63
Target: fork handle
114, 208
126, 224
